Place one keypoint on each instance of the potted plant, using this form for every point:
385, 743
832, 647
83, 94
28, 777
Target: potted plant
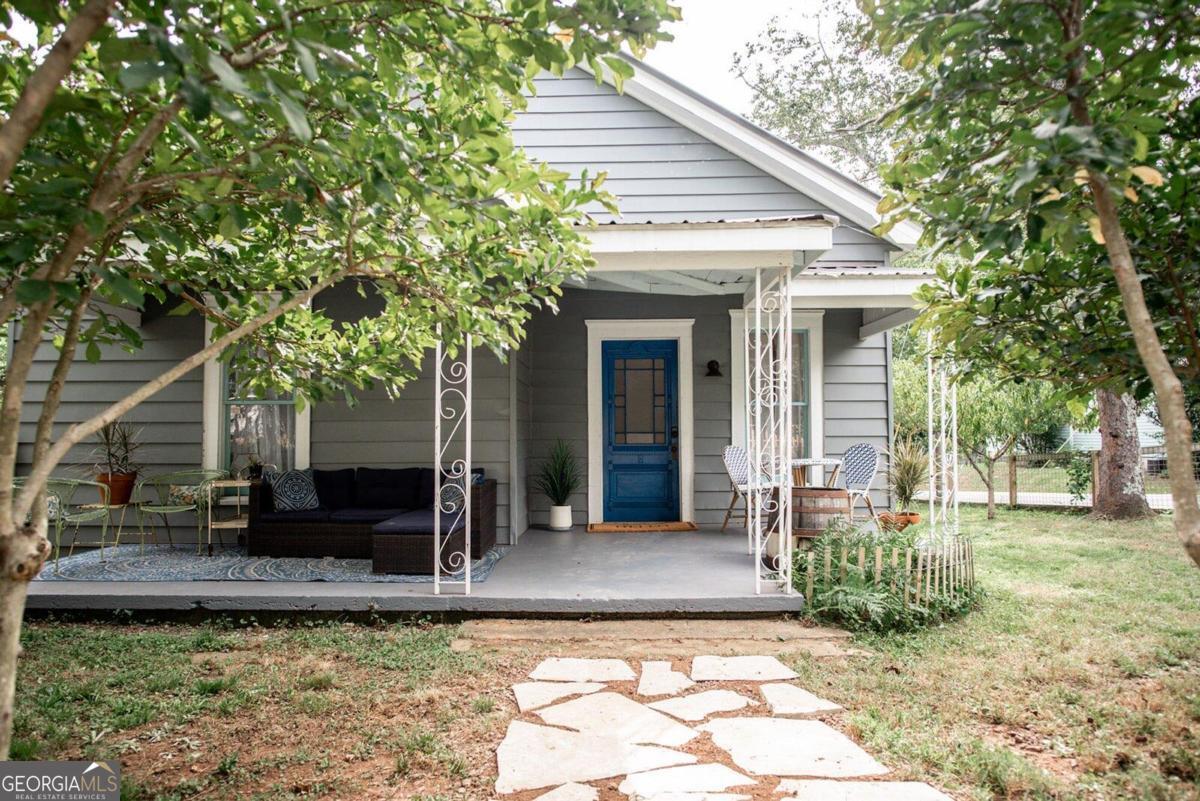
116, 468
559, 479
908, 467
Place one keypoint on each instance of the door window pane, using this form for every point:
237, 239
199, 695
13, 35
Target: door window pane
639, 401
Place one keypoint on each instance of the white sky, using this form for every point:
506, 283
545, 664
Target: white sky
705, 42
711, 32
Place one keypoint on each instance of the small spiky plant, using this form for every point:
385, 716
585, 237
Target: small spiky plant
560, 477
908, 466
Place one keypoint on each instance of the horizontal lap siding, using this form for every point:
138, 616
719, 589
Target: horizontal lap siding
856, 389
379, 431
558, 345
169, 423
659, 170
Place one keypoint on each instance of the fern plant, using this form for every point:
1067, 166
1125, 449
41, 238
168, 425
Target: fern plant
560, 477
854, 599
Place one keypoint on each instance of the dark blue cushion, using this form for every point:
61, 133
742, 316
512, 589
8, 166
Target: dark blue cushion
424, 499
386, 488
292, 490
419, 521
318, 515
335, 488
357, 514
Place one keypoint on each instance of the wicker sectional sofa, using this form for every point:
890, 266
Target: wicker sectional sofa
385, 515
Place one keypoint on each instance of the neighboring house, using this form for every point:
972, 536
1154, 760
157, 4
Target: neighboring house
705, 197
1150, 433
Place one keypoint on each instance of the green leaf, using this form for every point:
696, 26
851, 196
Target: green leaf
123, 288
308, 64
227, 75
93, 352
297, 120
292, 213
141, 74
32, 291
198, 99
229, 227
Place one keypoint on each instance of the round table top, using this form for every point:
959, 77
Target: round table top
812, 462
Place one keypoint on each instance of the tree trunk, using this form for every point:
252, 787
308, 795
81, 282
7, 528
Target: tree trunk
991, 487
1168, 389
22, 553
1121, 487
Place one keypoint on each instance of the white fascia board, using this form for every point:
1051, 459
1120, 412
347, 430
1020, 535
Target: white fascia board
887, 322
670, 261
807, 235
824, 185
897, 290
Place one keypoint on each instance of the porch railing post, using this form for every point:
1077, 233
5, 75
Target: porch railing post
437, 464
769, 416
452, 479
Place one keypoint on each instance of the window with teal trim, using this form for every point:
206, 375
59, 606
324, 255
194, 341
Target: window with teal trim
801, 414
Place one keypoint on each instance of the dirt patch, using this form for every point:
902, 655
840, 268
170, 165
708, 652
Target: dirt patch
1039, 750
657, 638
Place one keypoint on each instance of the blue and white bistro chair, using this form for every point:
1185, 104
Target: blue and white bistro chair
860, 465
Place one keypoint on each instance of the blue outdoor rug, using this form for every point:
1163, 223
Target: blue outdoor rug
164, 563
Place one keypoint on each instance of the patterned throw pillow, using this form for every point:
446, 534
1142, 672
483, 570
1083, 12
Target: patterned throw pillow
53, 507
292, 490
184, 495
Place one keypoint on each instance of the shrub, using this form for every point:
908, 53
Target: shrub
857, 601
1079, 476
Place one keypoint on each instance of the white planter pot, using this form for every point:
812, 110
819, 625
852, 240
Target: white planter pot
560, 518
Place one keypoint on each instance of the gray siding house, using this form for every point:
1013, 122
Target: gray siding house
705, 197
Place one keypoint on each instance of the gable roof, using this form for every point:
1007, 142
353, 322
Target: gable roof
783, 161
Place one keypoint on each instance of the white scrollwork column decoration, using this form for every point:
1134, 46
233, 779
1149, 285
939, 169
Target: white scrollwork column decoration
452, 465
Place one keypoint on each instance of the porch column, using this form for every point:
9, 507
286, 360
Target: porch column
452, 462
942, 422
768, 347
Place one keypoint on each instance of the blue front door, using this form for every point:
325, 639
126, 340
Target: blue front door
641, 430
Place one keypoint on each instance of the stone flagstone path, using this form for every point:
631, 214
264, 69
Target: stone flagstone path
584, 728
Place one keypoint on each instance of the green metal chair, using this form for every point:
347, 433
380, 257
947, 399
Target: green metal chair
63, 511
171, 494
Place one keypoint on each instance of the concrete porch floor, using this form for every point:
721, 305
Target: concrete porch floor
574, 572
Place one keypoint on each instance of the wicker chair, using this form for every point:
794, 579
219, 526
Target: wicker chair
172, 494
860, 465
737, 467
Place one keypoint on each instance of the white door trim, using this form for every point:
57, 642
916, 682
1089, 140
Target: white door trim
814, 323
598, 332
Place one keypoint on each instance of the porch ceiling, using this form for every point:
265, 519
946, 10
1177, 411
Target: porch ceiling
819, 287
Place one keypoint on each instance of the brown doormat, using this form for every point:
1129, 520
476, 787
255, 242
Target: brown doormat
637, 528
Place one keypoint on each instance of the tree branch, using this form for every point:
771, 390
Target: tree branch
78, 432
39, 90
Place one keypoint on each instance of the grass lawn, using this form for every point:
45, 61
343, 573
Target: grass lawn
1078, 677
